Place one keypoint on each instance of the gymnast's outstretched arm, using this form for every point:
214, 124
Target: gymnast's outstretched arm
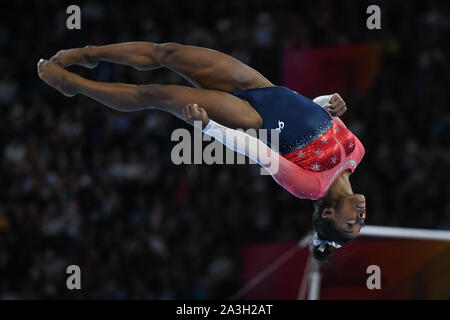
301, 183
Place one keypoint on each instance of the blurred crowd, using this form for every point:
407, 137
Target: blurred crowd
86, 185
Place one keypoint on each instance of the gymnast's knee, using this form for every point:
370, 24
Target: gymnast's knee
153, 94
166, 51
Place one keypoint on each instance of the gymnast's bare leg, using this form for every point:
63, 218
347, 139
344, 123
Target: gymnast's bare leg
213, 74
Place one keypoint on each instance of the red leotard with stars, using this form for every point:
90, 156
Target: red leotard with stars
327, 157
306, 173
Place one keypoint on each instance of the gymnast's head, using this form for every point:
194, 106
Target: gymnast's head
337, 220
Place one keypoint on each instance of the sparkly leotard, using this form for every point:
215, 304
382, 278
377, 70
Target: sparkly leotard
299, 120
308, 169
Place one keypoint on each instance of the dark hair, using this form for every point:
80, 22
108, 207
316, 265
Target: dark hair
326, 228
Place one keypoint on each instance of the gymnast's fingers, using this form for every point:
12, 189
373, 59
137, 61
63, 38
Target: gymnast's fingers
191, 107
337, 112
187, 112
333, 98
196, 111
184, 113
202, 111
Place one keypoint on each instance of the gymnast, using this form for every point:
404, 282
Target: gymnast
316, 153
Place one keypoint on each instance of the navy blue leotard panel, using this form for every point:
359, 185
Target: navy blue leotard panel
299, 120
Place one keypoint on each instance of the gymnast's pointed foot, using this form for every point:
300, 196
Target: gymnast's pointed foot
55, 76
79, 56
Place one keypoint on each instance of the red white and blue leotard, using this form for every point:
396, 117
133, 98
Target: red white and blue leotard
306, 172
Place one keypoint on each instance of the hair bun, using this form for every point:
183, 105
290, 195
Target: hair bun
322, 256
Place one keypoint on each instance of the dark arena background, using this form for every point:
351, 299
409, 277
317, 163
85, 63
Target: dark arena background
84, 185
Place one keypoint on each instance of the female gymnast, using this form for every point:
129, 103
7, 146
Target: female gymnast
316, 153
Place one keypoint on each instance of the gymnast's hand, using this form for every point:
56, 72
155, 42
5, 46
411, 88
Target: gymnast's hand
192, 112
79, 56
337, 105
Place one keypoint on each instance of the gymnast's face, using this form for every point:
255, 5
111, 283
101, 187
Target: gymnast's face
349, 214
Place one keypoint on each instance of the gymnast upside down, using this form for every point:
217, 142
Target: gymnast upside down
316, 152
